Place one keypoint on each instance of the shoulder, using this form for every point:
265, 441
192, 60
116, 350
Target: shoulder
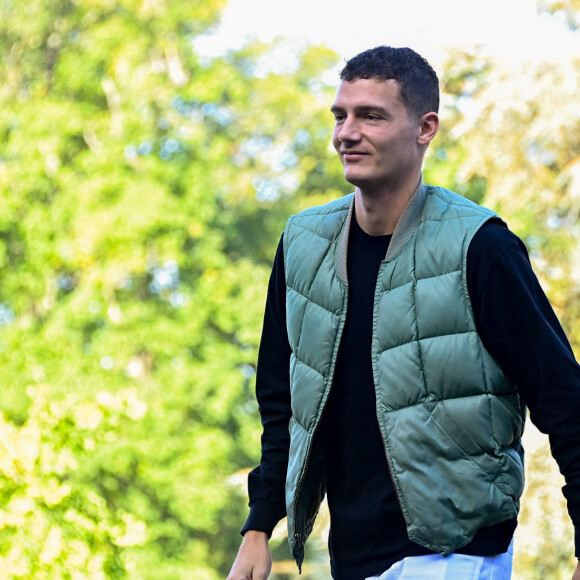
497, 258
452, 205
493, 240
324, 221
335, 206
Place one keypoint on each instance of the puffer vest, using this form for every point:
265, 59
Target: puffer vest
450, 420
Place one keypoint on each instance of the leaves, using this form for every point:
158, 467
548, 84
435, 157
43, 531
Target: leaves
143, 190
134, 261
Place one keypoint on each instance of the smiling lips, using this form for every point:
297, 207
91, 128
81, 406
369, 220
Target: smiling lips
352, 155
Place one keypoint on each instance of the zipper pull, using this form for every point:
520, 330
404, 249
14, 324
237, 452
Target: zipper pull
298, 551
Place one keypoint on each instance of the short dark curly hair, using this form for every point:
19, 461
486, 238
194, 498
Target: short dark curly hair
417, 79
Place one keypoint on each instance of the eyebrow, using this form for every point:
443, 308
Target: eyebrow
361, 109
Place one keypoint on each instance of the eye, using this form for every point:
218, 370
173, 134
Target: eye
372, 117
338, 117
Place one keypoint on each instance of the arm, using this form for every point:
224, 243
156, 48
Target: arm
519, 328
266, 483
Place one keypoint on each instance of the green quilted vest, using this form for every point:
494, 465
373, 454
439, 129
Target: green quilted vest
450, 420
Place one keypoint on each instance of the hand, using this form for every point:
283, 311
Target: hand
254, 560
576, 575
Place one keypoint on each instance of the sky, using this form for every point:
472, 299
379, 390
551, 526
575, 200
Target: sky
510, 30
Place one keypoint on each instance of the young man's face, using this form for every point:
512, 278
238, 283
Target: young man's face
375, 136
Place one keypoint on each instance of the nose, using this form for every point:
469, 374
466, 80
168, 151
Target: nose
349, 131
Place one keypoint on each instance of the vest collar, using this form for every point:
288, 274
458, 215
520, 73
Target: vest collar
408, 221
342, 246
405, 226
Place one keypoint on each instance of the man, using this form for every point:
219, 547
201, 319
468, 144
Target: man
404, 335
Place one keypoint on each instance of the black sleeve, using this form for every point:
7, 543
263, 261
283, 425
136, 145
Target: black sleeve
266, 483
521, 331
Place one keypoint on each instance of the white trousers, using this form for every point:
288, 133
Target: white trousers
454, 567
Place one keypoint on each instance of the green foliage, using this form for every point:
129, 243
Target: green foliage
566, 10
143, 192
544, 538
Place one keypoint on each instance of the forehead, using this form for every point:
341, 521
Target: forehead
368, 92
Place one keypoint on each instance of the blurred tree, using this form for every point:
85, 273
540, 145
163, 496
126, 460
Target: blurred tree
544, 545
567, 10
143, 190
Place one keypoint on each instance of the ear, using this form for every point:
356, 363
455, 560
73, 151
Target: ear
428, 127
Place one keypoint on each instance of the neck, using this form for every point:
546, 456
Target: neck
378, 212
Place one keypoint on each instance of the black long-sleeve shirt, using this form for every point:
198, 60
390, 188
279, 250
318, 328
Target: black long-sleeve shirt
517, 326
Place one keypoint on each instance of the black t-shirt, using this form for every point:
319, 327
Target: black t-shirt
517, 326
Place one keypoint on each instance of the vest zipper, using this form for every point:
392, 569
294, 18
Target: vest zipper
297, 535
298, 541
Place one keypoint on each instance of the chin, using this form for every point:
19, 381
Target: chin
353, 178
360, 181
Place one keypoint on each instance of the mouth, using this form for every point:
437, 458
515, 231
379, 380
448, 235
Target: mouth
353, 155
